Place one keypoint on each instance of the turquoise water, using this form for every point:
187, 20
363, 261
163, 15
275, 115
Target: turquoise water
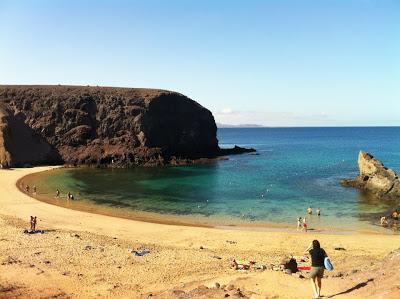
294, 168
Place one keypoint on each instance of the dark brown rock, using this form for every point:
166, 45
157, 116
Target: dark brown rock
20, 145
375, 178
118, 127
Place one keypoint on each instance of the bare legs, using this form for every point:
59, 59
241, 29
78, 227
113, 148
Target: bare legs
319, 281
316, 284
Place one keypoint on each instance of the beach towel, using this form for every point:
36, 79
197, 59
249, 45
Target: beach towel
33, 231
304, 268
328, 264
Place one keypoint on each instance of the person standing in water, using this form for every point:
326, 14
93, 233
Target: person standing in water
309, 211
317, 266
57, 193
318, 212
34, 189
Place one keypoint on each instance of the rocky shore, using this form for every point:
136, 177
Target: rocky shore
106, 126
375, 178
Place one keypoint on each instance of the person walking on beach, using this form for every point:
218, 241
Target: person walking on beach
299, 223
305, 224
317, 266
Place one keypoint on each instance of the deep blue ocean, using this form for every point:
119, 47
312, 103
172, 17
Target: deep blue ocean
294, 168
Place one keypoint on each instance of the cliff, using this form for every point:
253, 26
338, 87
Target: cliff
121, 127
374, 178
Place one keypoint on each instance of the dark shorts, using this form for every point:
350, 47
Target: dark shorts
317, 272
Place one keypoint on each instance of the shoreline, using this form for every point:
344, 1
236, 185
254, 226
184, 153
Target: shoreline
179, 220
181, 259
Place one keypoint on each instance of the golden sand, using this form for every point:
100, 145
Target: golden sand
84, 255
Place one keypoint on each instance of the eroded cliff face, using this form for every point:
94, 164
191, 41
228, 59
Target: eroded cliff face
375, 178
20, 145
101, 125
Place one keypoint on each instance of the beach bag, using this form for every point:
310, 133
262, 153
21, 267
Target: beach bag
328, 264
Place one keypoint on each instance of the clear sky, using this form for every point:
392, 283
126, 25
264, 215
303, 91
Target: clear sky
276, 63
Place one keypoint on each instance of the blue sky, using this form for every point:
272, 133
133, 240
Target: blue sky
276, 63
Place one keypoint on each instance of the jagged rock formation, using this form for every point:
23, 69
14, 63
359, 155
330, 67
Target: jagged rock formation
103, 126
374, 178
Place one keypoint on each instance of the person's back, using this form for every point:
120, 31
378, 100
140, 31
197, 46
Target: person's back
317, 266
317, 257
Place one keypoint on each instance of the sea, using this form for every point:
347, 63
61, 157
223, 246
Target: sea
293, 169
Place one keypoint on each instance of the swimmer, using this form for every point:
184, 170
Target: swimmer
384, 221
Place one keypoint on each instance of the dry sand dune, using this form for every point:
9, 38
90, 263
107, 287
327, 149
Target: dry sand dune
83, 255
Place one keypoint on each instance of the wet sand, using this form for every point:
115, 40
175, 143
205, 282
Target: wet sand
85, 255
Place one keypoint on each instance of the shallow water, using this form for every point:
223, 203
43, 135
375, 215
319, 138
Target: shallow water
294, 168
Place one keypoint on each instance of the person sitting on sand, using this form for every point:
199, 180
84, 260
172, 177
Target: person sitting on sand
57, 193
239, 266
384, 221
317, 266
318, 212
309, 211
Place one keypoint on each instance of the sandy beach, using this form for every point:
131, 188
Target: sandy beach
84, 255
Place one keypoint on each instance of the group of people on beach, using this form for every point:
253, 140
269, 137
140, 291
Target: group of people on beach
392, 220
302, 222
27, 189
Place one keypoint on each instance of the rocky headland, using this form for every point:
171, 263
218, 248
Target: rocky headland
106, 126
375, 178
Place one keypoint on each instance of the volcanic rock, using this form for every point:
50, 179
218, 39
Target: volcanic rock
375, 178
117, 127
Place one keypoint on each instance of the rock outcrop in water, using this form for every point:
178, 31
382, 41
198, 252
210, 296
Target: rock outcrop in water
375, 178
118, 127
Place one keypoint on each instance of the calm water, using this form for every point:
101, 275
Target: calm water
295, 168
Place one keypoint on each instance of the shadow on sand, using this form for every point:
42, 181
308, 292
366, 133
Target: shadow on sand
356, 287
